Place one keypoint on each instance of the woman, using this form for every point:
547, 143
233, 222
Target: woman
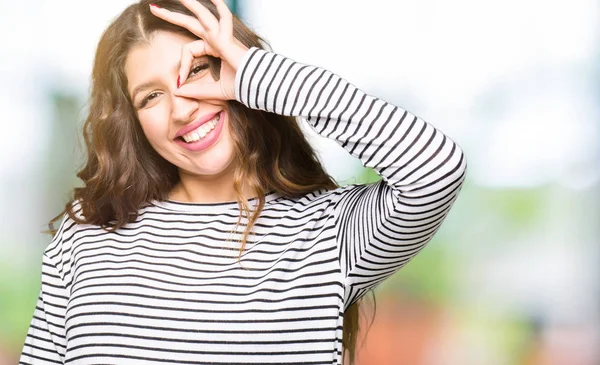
207, 231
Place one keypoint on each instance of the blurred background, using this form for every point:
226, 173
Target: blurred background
512, 277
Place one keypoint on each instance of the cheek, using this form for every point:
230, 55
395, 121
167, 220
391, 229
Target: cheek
155, 126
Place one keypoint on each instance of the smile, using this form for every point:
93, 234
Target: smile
204, 136
201, 132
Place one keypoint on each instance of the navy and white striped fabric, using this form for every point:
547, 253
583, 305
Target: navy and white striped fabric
168, 288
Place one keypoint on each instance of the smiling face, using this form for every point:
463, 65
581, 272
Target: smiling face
194, 135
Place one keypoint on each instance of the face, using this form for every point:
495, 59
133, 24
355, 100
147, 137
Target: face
192, 134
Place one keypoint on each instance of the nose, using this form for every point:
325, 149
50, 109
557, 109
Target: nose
183, 109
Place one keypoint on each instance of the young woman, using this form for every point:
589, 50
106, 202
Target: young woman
207, 232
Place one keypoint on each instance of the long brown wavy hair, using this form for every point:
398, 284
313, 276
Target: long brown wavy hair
123, 172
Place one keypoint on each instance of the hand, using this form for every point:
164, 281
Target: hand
216, 40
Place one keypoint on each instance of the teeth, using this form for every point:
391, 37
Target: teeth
201, 131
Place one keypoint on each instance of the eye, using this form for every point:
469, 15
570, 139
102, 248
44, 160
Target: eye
196, 69
147, 99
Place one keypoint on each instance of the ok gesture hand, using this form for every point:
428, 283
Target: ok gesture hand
216, 39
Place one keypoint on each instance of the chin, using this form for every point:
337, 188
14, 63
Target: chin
210, 168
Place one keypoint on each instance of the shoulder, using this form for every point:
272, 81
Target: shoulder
66, 230
319, 198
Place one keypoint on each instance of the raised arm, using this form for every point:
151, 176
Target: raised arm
381, 226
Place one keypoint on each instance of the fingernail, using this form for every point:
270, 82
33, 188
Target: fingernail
156, 6
178, 78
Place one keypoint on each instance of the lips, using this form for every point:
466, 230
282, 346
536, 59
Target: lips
211, 138
195, 124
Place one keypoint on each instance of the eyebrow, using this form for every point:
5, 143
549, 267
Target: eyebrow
140, 87
149, 84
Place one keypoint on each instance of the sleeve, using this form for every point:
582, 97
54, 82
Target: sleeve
46, 341
380, 226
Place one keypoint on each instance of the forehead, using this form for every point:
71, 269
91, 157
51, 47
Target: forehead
157, 57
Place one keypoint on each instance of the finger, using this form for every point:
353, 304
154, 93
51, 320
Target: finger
205, 17
188, 52
188, 22
199, 91
225, 16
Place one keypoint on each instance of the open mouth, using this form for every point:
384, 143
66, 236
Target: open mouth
202, 131
205, 136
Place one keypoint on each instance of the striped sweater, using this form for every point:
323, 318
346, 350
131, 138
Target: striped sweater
168, 288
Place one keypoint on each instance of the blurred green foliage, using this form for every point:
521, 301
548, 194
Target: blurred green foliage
519, 209
19, 289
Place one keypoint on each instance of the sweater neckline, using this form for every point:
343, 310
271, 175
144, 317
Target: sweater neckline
215, 207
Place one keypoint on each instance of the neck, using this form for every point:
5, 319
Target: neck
207, 189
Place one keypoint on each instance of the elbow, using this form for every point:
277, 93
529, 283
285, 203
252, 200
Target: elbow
460, 169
